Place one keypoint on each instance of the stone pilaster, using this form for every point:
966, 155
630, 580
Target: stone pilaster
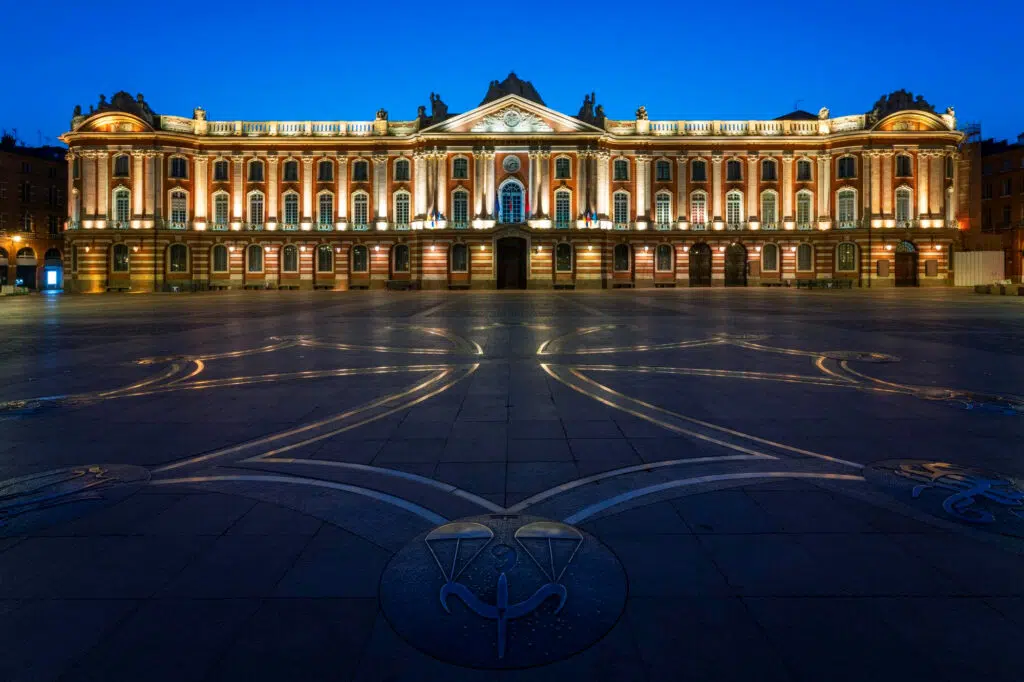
307, 192
716, 189
200, 189
602, 158
341, 203
419, 171
787, 188
922, 184
752, 195
545, 184
103, 186
138, 191
380, 189
682, 203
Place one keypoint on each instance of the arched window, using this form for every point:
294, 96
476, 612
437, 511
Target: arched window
360, 210
511, 202
620, 258
402, 170
620, 169
563, 208
770, 258
663, 258
256, 210
325, 171
803, 170
255, 171
400, 258
324, 258
402, 209
179, 209
846, 208
698, 210
254, 258
904, 166
663, 210
662, 171
460, 258
119, 258
901, 247
325, 210
177, 257
291, 171
290, 258
460, 208
460, 168
846, 167
769, 210
563, 257
121, 165
768, 170
804, 217
733, 170
846, 257
734, 209
360, 259
805, 258
122, 205
698, 171
903, 206
220, 258
621, 209
220, 209
563, 168
291, 210
360, 171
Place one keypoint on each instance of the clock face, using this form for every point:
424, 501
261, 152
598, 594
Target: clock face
512, 118
510, 164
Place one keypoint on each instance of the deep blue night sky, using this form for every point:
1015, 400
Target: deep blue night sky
280, 60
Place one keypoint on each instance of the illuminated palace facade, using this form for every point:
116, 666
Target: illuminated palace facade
511, 194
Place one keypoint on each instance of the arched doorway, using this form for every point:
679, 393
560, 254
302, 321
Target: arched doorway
736, 265
25, 271
906, 264
511, 198
3, 267
512, 263
700, 265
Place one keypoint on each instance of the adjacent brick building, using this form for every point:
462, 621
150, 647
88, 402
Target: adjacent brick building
997, 201
33, 209
510, 194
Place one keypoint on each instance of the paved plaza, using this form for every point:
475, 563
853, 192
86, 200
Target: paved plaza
616, 485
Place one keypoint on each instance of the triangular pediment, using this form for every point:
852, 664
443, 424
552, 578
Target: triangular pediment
512, 115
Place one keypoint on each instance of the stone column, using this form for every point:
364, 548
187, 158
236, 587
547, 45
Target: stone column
936, 193
380, 185
545, 184
876, 184
307, 191
826, 187
682, 203
922, 184
103, 185
238, 190
159, 174
787, 188
273, 190
150, 163
716, 187
420, 178
341, 203
201, 189
138, 191
479, 189
886, 162
603, 209
88, 183
531, 187
752, 208
489, 185
642, 162
582, 182
442, 182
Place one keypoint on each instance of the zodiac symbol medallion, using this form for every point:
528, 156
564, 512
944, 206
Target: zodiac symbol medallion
503, 591
985, 499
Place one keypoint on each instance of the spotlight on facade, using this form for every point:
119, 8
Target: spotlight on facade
16, 238
590, 247
757, 249
376, 247
721, 249
135, 248
888, 247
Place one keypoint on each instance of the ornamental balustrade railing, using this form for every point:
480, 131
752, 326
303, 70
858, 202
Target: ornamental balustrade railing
325, 227
906, 224
563, 224
621, 226
290, 227
775, 226
360, 227
176, 225
663, 226
119, 224
699, 227
734, 226
219, 227
74, 225
459, 225
847, 224
805, 226
254, 227
401, 227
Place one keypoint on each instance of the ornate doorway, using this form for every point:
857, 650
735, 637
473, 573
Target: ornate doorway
700, 265
736, 266
906, 264
511, 263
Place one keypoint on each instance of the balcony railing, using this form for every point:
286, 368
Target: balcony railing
219, 227
905, 223
770, 226
74, 225
734, 226
401, 227
255, 227
805, 226
620, 226
562, 224
325, 227
459, 225
360, 227
698, 226
290, 227
663, 226
847, 224
119, 224
176, 225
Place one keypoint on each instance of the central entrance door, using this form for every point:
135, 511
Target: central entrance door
736, 266
700, 265
906, 264
512, 263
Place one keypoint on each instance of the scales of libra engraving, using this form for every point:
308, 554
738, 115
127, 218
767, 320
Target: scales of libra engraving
541, 541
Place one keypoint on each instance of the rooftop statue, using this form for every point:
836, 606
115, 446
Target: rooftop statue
641, 113
900, 100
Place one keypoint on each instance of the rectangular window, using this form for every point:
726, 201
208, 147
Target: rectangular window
3, 190
986, 190
562, 168
179, 167
360, 259
402, 209
804, 256
845, 167
460, 168
325, 171
1006, 215
698, 210
768, 216
663, 210
326, 212
220, 259
360, 210
662, 171
255, 171
620, 170
699, 171
121, 166
402, 170
460, 208
460, 258
803, 171
768, 170
846, 209
846, 257
360, 171
291, 171
803, 210
220, 209
621, 209
179, 210
733, 171
291, 209
563, 258
903, 163
220, 171
733, 209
